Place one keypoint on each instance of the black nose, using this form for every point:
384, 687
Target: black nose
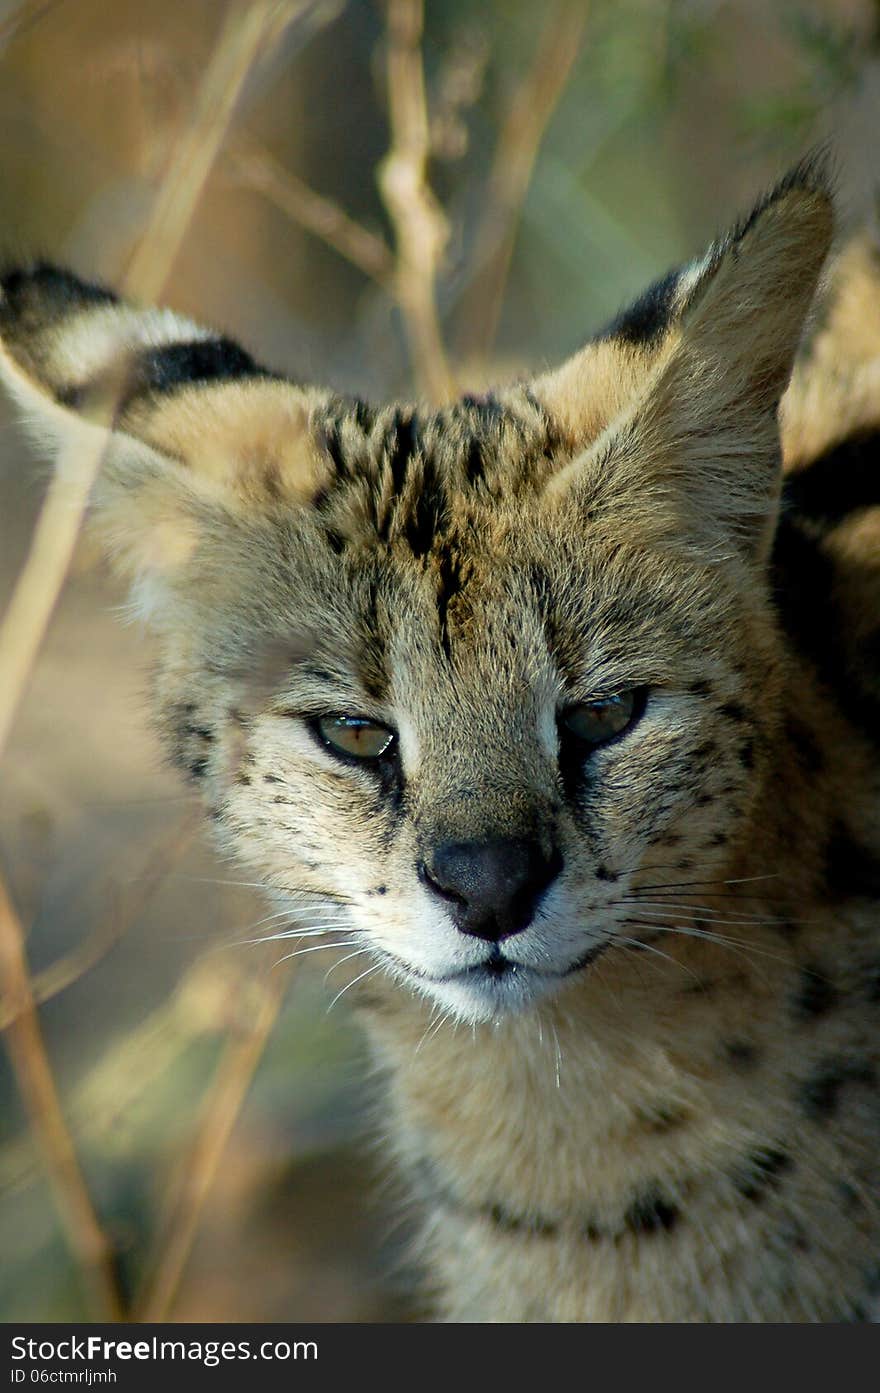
491, 888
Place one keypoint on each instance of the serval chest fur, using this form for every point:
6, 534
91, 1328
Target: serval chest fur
560, 704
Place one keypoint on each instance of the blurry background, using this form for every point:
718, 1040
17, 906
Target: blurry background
225, 1162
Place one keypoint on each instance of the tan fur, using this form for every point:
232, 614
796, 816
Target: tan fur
685, 1126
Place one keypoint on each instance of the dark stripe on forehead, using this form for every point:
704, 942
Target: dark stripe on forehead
450, 582
425, 521
372, 658
401, 443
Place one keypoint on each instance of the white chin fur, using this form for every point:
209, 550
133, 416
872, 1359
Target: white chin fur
479, 997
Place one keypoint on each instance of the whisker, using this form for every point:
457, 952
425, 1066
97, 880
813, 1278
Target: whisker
434, 1024
735, 945
375, 968
266, 886
646, 947
315, 948
359, 953
295, 934
691, 884
701, 912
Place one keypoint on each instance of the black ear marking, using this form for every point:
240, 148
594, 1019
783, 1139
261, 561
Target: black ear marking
173, 366
645, 322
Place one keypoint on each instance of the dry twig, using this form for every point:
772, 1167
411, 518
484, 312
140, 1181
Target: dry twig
107, 933
198, 1170
520, 139
242, 42
33, 1072
420, 227
23, 18
244, 39
319, 215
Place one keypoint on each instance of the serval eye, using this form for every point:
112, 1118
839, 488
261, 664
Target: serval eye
355, 736
595, 722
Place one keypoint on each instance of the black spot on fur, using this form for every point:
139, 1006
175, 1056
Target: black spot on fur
603, 873
787, 929
747, 754
335, 540
820, 1093
646, 321
707, 751
700, 688
803, 581
815, 995
201, 733
734, 711
271, 779
743, 1055
839, 483
515, 1223
850, 869
850, 1198
761, 1171
198, 768
805, 746
651, 1212
664, 1118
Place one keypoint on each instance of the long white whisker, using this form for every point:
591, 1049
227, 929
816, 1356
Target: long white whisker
316, 948
359, 953
646, 947
349, 985
697, 912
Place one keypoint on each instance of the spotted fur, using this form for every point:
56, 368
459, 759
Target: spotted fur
658, 1098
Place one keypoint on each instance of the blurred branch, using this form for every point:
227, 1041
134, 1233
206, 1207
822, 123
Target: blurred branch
242, 42
319, 215
33, 1073
250, 29
23, 18
519, 141
244, 39
257, 1012
106, 934
420, 227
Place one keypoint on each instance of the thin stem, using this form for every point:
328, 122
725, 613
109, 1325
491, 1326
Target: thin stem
420, 227
319, 215
242, 42
199, 1167
531, 112
86, 1239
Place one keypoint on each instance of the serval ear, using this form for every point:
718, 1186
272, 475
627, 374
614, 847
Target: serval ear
193, 435
689, 445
